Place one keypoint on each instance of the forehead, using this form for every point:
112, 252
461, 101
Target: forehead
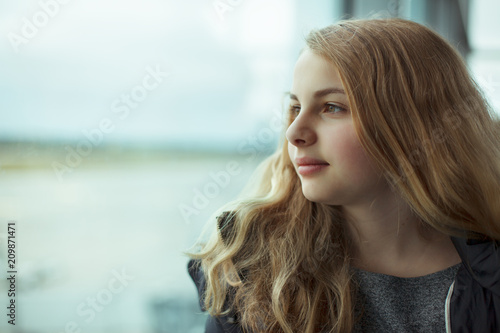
313, 72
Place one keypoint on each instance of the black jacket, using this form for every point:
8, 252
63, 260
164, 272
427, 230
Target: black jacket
472, 305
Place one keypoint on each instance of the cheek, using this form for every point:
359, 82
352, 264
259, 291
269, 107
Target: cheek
351, 156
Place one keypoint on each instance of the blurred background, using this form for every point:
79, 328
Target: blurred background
125, 124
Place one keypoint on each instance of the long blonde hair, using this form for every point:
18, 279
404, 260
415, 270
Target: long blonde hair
283, 260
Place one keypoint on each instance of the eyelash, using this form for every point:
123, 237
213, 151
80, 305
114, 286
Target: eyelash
295, 109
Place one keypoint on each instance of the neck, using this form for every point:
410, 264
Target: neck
388, 237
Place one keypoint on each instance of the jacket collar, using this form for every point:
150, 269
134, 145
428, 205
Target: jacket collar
481, 258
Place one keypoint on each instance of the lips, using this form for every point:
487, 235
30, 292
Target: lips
308, 166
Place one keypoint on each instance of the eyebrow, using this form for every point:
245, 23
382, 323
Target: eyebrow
321, 93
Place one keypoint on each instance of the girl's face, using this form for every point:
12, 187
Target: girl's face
322, 143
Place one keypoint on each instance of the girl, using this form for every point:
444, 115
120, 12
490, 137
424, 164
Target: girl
381, 211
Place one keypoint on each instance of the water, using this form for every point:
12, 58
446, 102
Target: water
101, 250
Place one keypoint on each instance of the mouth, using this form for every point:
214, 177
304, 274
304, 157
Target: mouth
308, 166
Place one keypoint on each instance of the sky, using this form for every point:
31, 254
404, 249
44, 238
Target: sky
202, 72
67, 77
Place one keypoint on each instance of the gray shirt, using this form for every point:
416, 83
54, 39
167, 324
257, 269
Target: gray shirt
393, 304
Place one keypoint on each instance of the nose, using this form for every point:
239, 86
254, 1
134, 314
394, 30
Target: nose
301, 132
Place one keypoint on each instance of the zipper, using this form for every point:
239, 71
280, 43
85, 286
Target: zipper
447, 318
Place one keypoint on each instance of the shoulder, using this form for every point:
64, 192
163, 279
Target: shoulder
475, 302
225, 225
196, 273
481, 260
225, 323
222, 324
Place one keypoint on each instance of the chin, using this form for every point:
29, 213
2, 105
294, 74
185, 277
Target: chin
314, 196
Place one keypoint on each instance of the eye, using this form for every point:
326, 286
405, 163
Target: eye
334, 108
294, 110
